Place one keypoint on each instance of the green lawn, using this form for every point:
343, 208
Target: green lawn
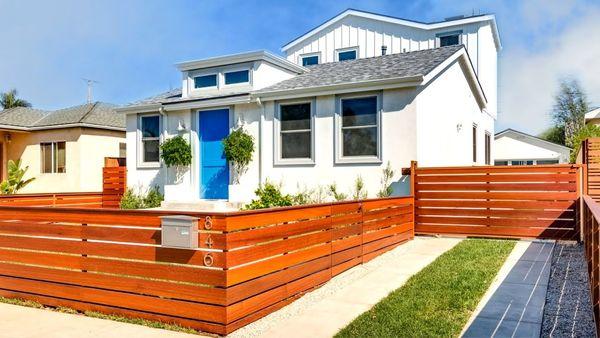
437, 301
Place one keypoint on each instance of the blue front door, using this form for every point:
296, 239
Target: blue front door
214, 173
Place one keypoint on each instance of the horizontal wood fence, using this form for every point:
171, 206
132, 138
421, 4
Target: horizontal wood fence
589, 157
114, 182
503, 201
248, 263
77, 199
591, 240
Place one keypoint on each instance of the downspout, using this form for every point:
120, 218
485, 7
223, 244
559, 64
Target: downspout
260, 131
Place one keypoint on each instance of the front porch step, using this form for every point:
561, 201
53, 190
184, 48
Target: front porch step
203, 205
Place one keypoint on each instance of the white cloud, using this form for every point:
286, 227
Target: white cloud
529, 77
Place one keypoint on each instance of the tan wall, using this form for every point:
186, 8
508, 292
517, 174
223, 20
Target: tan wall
85, 152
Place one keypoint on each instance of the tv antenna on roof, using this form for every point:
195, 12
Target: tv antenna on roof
90, 84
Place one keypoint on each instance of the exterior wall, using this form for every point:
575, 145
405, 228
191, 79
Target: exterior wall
510, 148
446, 113
85, 152
369, 35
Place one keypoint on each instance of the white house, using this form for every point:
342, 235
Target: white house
517, 148
351, 95
593, 116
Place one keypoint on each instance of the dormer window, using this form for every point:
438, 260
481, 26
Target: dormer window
310, 60
347, 54
205, 81
240, 76
448, 38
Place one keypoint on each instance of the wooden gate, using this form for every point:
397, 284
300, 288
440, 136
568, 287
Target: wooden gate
498, 201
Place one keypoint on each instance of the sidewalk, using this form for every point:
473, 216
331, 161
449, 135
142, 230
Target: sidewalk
323, 312
25, 322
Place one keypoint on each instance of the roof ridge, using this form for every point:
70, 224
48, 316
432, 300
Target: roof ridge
89, 111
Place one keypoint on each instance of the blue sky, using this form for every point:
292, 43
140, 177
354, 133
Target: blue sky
130, 46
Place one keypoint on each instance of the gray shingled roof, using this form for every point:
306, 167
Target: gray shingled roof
368, 69
174, 96
99, 114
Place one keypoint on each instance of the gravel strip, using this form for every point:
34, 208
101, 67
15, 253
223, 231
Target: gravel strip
568, 311
333, 286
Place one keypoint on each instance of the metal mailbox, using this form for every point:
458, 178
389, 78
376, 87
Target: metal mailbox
179, 232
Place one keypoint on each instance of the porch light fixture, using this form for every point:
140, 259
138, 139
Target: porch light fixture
181, 126
458, 127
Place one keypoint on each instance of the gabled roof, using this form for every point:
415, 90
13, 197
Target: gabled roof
594, 113
510, 131
240, 58
98, 115
450, 22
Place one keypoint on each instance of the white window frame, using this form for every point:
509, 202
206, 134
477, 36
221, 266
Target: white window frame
204, 88
487, 151
277, 159
338, 139
475, 143
140, 143
54, 169
449, 33
346, 49
306, 55
233, 70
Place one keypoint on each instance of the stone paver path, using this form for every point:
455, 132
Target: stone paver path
25, 322
516, 307
323, 312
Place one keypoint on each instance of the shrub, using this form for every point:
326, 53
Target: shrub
359, 189
338, 196
15, 180
589, 130
176, 151
238, 147
269, 195
133, 200
386, 181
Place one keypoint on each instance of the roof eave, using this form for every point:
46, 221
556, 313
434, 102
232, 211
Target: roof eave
240, 58
510, 130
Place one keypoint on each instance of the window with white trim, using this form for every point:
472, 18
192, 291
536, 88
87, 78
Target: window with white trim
347, 54
310, 60
449, 38
150, 139
54, 157
206, 81
359, 129
294, 130
238, 76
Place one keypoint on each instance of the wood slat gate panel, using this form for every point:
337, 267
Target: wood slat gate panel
496, 201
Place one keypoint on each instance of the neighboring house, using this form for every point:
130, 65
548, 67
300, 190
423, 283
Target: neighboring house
64, 149
353, 94
593, 116
518, 148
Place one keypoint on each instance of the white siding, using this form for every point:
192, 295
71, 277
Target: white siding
517, 147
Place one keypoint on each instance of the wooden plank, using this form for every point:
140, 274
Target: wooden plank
510, 213
462, 186
509, 178
502, 222
523, 196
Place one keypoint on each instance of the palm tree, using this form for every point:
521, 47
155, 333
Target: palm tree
10, 100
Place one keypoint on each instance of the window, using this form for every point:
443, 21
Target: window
53, 157
205, 81
449, 38
295, 129
547, 162
347, 55
122, 149
488, 145
500, 162
474, 143
310, 60
359, 127
240, 76
150, 138
521, 162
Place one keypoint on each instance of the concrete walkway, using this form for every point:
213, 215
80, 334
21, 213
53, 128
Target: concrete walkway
516, 307
25, 322
323, 312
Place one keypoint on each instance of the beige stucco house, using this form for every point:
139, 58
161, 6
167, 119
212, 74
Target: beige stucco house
64, 149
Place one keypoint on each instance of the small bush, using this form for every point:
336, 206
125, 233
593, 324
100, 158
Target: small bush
335, 194
386, 182
269, 195
132, 200
359, 189
176, 151
238, 148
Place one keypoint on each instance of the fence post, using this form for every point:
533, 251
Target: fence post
413, 169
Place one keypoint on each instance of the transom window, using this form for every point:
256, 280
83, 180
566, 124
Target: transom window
449, 38
53, 157
205, 81
150, 138
310, 60
347, 55
360, 127
295, 131
240, 76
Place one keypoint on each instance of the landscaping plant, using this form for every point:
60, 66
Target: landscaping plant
15, 181
132, 200
238, 147
359, 189
386, 182
176, 152
337, 196
269, 195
